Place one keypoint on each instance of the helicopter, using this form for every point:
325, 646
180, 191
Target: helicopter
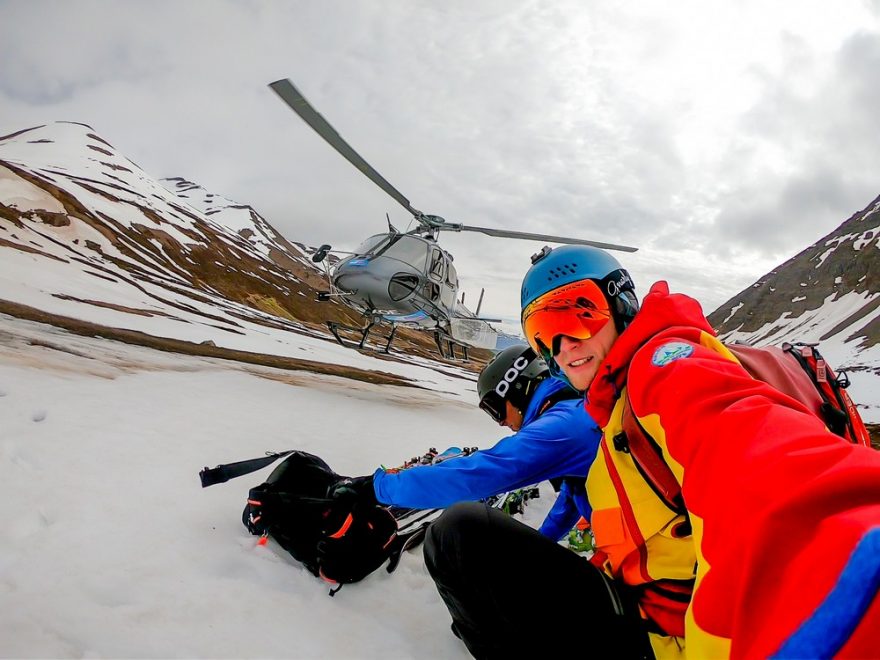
404, 279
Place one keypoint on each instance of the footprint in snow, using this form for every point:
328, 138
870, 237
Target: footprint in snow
39, 416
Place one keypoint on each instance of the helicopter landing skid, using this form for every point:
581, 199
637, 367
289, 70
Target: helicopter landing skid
364, 332
448, 353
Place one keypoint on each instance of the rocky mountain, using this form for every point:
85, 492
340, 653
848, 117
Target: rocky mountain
104, 242
828, 293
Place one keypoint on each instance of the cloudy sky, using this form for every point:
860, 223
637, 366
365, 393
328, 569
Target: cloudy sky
720, 137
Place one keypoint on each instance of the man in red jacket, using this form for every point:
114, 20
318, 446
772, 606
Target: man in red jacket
777, 549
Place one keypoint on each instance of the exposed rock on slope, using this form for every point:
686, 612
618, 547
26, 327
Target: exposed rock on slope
830, 292
114, 243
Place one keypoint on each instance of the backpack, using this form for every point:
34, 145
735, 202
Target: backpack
798, 370
292, 508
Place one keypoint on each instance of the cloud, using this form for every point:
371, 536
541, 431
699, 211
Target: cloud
60, 50
704, 133
806, 157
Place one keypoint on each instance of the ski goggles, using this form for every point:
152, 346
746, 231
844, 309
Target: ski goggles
493, 405
578, 310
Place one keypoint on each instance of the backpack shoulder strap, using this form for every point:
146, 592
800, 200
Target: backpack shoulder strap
648, 458
223, 473
837, 410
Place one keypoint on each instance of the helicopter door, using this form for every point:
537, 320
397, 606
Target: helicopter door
436, 271
449, 287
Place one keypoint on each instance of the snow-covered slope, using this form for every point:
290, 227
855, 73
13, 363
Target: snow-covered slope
109, 547
86, 234
829, 293
70, 198
245, 222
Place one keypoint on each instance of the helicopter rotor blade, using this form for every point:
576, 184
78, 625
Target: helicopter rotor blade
506, 233
298, 103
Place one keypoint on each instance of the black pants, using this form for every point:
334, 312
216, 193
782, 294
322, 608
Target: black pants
511, 590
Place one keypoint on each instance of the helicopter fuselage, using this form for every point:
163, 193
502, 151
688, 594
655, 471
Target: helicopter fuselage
402, 278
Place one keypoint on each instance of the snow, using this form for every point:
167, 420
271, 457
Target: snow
841, 349
864, 239
25, 196
110, 548
38, 282
733, 310
826, 254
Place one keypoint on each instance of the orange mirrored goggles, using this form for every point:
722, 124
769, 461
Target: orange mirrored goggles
577, 310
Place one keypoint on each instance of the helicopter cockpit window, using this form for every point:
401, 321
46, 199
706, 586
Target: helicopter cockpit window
451, 275
436, 271
431, 291
407, 249
370, 244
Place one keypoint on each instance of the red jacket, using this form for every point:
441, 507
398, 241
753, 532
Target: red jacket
785, 515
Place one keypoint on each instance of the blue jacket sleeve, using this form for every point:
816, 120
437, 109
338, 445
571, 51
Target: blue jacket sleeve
571, 504
562, 441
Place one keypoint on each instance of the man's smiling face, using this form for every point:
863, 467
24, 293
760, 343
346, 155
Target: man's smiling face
579, 359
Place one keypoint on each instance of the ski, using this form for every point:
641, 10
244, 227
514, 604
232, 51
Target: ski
431, 457
406, 542
414, 514
511, 502
514, 501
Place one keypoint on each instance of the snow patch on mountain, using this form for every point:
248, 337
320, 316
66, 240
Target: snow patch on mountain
88, 235
828, 294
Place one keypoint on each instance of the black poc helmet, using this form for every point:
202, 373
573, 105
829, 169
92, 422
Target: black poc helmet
512, 375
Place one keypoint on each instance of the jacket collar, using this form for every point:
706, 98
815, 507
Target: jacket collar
660, 310
546, 388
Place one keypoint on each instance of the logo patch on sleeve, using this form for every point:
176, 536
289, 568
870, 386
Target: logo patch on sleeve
674, 350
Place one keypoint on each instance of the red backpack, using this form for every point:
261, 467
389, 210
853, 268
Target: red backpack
798, 370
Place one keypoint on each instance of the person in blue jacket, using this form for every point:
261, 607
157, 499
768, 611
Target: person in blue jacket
553, 438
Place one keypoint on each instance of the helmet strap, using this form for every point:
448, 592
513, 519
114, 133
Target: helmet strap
623, 309
619, 290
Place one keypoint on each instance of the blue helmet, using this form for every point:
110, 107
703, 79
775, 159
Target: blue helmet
553, 268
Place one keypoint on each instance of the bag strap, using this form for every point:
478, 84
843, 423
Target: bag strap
817, 370
648, 459
841, 409
223, 473
259, 497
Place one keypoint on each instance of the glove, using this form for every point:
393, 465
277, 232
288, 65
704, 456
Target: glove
352, 501
353, 493
358, 532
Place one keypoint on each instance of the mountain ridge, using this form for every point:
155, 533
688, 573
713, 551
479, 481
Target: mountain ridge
171, 248
829, 293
